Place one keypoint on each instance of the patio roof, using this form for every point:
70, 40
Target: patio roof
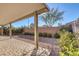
11, 12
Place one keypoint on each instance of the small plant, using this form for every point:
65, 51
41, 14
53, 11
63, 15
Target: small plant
68, 44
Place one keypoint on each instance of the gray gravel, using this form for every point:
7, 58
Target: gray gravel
14, 47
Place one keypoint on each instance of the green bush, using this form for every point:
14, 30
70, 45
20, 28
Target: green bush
45, 35
68, 44
49, 35
40, 34
29, 33
56, 35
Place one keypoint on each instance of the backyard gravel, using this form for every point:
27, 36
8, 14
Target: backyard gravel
14, 47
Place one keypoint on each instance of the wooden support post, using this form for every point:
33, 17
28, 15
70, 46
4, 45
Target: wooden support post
10, 31
2, 31
36, 29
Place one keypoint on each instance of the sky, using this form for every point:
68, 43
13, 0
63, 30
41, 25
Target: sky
71, 13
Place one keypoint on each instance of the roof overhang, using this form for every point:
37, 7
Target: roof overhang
12, 12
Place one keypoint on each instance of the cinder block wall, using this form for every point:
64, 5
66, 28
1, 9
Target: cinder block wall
52, 30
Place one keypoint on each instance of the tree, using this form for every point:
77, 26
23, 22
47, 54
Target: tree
32, 25
51, 17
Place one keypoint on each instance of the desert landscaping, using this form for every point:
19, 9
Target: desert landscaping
14, 47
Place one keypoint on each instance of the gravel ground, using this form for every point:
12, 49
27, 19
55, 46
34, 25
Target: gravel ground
14, 47
51, 43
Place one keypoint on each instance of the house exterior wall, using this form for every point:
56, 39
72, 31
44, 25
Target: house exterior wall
75, 26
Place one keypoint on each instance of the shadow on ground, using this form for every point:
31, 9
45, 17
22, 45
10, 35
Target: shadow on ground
34, 52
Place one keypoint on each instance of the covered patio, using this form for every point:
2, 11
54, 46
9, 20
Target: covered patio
13, 12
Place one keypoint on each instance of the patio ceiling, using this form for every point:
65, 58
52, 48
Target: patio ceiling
11, 12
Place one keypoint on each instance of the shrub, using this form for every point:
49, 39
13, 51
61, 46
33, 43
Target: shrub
56, 35
28, 33
68, 44
45, 35
40, 34
49, 35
